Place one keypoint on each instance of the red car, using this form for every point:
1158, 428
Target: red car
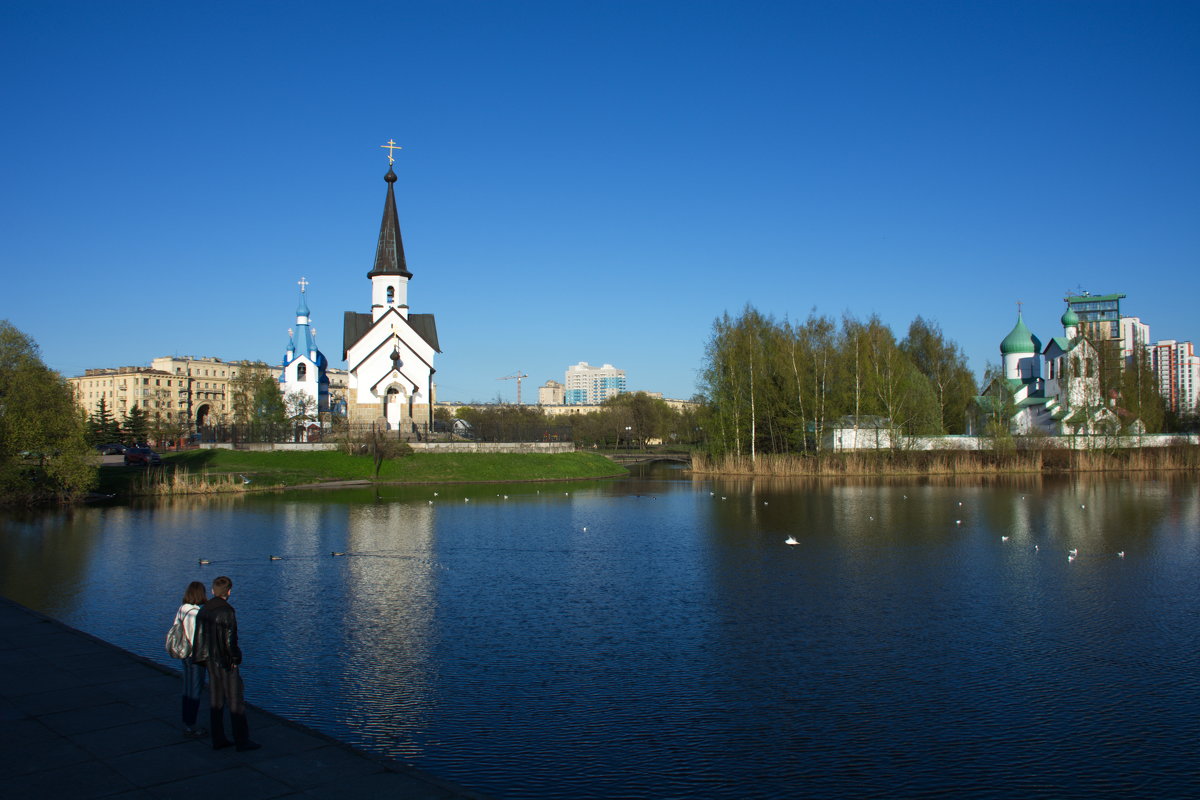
143, 456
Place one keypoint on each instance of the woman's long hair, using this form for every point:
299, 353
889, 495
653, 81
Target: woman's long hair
195, 594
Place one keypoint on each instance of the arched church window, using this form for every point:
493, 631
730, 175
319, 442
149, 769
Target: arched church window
391, 294
302, 372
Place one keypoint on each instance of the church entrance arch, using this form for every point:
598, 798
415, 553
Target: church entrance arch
202, 415
393, 402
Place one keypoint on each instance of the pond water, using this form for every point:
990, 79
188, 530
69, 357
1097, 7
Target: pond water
656, 637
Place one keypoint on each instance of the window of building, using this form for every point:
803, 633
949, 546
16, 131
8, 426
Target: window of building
302, 372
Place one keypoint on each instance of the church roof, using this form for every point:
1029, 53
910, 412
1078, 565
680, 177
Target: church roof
1063, 343
1020, 340
304, 341
356, 325
426, 326
389, 252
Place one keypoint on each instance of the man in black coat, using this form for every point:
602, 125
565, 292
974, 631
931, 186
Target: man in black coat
216, 645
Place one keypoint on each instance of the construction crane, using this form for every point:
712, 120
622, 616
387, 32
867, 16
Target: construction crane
516, 378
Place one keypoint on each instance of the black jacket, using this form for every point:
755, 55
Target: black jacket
216, 639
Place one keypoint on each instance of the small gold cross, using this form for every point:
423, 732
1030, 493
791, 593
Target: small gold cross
391, 147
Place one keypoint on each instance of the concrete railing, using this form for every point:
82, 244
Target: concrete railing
261, 447
493, 447
423, 447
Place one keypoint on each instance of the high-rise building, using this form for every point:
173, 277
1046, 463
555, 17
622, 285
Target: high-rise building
588, 385
1099, 314
1101, 320
1177, 368
1135, 338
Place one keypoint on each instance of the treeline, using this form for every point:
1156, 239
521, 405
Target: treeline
776, 386
631, 420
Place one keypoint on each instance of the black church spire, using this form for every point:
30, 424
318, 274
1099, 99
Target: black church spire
389, 253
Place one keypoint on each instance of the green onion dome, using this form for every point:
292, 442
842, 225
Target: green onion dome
1020, 340
1070, 318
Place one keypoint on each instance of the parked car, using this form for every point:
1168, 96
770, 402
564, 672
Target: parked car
113, 449
143, 456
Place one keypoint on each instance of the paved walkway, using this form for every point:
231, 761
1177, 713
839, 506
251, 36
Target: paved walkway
82, 718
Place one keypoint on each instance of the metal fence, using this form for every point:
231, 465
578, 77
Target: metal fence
366, 432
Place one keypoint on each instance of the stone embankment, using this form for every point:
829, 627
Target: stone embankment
82, 718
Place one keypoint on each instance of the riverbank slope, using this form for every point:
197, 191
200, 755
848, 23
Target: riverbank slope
211, 471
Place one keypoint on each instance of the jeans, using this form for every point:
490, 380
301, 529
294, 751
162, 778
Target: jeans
193, 685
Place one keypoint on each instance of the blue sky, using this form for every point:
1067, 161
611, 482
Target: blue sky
590, 181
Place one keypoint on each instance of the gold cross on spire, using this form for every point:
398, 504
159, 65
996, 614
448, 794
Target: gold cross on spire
391, 147
303, 283
1018, 306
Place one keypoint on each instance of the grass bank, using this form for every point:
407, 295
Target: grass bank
888, 463
220, 471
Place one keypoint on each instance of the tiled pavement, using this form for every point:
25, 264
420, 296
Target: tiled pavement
81, 718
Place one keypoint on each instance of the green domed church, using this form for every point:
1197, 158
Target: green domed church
1051, 390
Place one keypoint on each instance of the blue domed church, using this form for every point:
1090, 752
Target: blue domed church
304, 380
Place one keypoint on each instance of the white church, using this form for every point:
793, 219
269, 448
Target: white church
1052, 390
390, 351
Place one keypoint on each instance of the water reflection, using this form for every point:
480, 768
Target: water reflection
389, 619
46, 555
655, 637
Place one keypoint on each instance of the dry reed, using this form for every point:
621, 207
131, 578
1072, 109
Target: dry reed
900, 462
163, 483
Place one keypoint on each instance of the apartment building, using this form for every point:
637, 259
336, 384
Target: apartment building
1177, 369
588, 385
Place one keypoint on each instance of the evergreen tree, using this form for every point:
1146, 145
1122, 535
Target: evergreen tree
102, 426
136, 427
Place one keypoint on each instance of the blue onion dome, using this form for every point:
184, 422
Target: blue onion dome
1020, 340
302, 309
1070, 318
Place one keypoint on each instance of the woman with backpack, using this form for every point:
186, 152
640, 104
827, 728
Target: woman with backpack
193, 673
